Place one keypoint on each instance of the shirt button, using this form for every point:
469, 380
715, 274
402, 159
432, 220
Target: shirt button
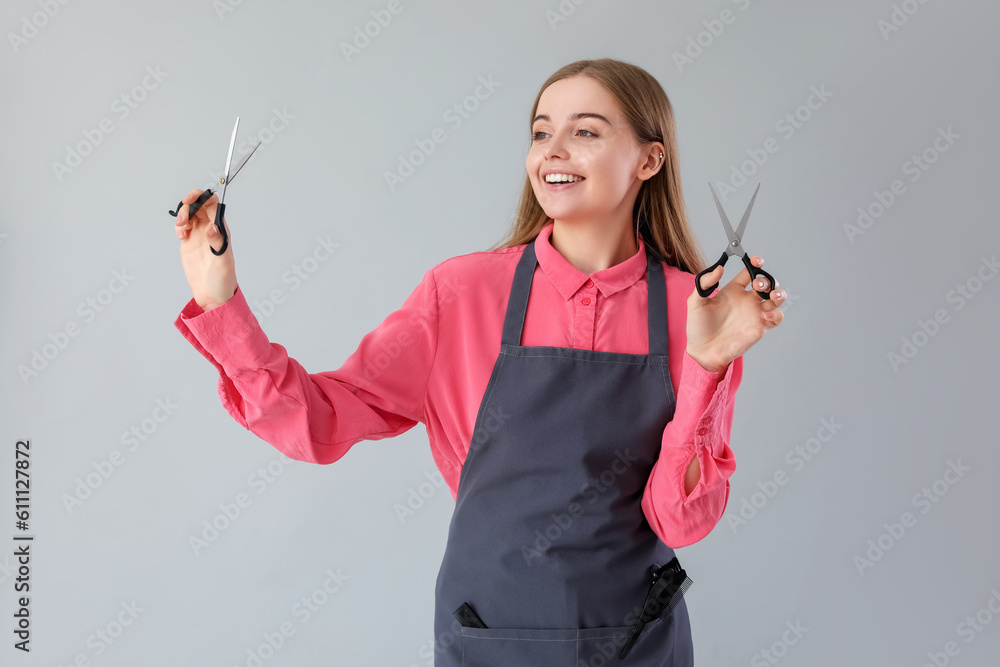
702, 431
589, 283
585, 300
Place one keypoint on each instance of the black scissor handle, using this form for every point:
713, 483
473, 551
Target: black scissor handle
194, 206
697, 279
220, 224
755, 272
220, 213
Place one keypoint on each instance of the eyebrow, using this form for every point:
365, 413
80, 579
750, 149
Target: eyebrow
576, 116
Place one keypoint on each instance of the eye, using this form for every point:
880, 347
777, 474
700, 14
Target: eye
588, 134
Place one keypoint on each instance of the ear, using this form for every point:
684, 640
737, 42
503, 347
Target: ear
652, 162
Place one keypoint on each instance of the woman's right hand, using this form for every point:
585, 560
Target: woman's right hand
212, 277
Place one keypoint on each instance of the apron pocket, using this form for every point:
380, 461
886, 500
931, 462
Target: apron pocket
528, 647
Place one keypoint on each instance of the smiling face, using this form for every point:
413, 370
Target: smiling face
580, 134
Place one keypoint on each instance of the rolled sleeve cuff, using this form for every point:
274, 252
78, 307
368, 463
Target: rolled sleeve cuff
706, 413
229, 335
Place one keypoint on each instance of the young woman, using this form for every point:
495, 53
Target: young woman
580, 413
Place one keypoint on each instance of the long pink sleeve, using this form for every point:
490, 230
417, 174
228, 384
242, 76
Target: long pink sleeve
377, 393
700, 427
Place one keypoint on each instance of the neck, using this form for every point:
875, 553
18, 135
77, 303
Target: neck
592, 247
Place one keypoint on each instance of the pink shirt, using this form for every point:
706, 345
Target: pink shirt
431, 360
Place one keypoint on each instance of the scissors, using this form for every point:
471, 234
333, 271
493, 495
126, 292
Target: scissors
226, 179
735, 247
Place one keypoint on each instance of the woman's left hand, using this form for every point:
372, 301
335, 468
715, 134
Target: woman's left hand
724, 326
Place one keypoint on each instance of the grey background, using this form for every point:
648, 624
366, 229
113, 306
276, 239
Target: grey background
322, 175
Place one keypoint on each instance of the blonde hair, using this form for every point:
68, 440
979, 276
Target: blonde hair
658, 214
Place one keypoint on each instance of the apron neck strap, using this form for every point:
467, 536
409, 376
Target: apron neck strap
517, 306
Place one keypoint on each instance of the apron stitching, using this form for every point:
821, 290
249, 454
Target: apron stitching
666, 382
637, 362
529, 639
473, 451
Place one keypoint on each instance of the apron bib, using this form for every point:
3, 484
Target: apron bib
548, 544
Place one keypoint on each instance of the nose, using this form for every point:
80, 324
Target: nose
555, 146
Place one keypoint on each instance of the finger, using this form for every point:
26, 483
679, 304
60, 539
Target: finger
206, 212
183, 216
189, 198
205, 217
762, 284
215, 238
711, 278
773, 318
742, 279
777, 299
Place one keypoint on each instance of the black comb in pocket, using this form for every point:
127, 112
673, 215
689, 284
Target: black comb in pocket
467, 617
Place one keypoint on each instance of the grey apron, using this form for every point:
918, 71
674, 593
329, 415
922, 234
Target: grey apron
548, 544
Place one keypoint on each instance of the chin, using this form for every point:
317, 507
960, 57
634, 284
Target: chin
558, 211
564, 213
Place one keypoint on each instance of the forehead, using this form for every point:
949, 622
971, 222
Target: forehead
577, 94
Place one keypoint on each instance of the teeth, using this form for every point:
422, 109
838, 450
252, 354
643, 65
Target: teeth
562, 178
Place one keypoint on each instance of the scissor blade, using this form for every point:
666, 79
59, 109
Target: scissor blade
725, 219
746, 216
242, 162
229, 160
